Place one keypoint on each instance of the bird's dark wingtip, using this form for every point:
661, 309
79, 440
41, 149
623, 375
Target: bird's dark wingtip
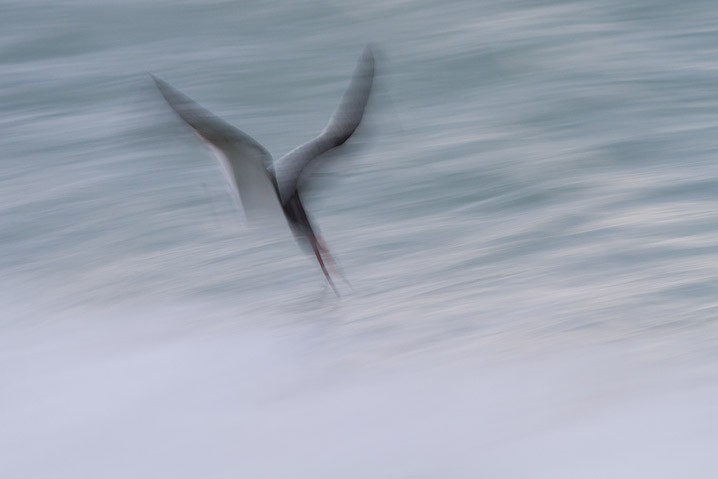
153, 78
369, 53
164, 87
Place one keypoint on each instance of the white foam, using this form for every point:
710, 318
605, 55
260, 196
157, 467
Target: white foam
187, 392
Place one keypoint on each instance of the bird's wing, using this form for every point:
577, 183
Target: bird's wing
341, 126
247, 164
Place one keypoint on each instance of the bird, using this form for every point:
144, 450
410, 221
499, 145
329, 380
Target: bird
257, 179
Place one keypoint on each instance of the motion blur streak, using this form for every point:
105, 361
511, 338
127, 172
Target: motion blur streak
529, 222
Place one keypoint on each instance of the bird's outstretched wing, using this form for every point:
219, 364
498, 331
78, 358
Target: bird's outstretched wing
247, 164
341, 126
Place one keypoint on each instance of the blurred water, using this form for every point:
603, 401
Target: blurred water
528, 218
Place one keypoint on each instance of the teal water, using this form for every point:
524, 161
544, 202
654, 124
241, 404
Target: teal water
527, 217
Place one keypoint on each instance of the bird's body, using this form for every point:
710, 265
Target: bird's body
259, 181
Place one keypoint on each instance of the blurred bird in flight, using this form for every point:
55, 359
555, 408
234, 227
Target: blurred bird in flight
260, 181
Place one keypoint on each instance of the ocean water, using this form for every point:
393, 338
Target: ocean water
527, 216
